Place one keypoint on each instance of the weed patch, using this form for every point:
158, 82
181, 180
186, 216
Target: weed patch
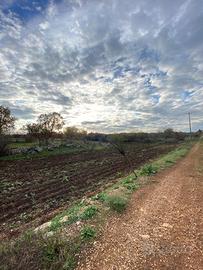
52, 252
117, 203
87, 233
129, 183
89, 212
148, 170
102, 197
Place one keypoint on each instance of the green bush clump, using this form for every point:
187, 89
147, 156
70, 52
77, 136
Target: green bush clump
129, 183
89, 212
87, 233
148, 170
55, 225
102, 197
117, 203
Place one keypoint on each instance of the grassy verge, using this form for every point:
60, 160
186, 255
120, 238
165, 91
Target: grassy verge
22, 144
57, 245
61, 150
45, 153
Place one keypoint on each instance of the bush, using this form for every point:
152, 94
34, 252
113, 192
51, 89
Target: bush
117, 203
89, 212
130, 184
4, 150
148, 170
102, 197
87, 233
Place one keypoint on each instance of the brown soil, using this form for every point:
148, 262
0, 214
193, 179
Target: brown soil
162, 228
33, 190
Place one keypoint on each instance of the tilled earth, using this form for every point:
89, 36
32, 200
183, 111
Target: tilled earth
162, 228
33, 189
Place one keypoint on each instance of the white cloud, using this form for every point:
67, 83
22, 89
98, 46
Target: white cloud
112, 66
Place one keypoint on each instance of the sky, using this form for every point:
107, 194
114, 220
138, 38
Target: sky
105, 65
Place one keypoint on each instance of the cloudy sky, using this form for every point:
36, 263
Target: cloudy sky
105, 65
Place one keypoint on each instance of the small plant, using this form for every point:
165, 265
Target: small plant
126, 181
65, 179
118, 174
102, 197
89, 212
87, 233
70, 263
50, 252
55, 225
72, 218
170, 161
131, 186
129, 183
148, 170
117, 203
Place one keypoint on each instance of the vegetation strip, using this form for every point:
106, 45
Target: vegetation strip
57, 245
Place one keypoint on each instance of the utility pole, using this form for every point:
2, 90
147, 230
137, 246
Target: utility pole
190, 126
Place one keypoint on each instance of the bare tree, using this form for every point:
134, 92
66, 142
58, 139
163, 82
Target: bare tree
7, 121
119, 147
47, 125
33, 130
51, 122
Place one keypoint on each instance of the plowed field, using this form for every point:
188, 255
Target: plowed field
32, 189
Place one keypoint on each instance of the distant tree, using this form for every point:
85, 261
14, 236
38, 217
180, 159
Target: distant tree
98, 137
51, 122
33, 131
47, 125
75, 133
169, 133
7, 121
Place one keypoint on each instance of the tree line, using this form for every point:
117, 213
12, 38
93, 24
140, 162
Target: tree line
51, 125
47, 126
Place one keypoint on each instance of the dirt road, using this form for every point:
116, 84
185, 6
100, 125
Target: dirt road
162, 228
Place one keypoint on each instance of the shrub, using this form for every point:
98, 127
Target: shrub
102, 197
89, 212
55, 225
70, 263
117, 203
148, 170
129, 183
87, 233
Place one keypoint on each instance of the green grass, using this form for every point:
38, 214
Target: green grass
102, 196
34, 251
45, 153
130, 183
148, 170
61, 150
77, 212
172, 157
22, 144
89, 212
